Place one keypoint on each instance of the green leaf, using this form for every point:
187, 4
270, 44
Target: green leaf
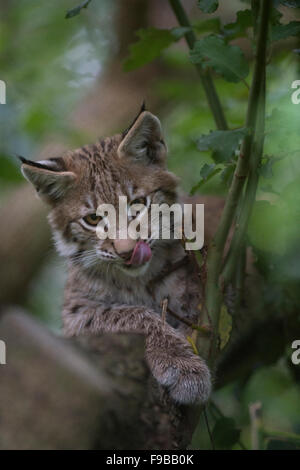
283, 31
206, 173
243, 21
75, 11
225, 326
227, 173
275, 16
207, 170
208, 6
211, 25
179, 32
225, 433
150, 45
222, 143
229, 61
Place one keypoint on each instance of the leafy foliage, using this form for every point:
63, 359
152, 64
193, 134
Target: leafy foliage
239, 28
222, 143
276, 15
208, 6
283, 31
229, 61
227, 173
206, 173
225, 433
225, 326
211, 25
151, 43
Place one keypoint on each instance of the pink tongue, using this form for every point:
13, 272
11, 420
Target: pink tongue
141, 254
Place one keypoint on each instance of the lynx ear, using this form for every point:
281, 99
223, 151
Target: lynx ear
143, 141
49, 177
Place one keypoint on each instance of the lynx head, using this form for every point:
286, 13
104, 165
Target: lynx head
132, 164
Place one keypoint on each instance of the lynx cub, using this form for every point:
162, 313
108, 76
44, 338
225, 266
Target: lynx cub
118, 285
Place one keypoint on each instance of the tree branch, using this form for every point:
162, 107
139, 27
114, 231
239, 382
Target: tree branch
83, 393
205, 76
251, 188
213, 295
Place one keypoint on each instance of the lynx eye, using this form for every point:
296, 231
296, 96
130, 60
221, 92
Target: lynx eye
140, 200
92, 219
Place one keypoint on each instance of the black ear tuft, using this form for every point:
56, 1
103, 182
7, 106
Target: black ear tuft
49, 177
23, 160
142, 109
32, 163
53, 164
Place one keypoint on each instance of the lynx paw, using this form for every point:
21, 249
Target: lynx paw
187, 379
192, 387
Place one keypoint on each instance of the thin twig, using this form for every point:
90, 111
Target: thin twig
257, 435
208, 429
205, 76
246, 83
164, 310
201, 328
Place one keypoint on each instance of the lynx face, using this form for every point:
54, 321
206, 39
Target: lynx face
74, 185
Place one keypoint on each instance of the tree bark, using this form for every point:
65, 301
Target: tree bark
88, 393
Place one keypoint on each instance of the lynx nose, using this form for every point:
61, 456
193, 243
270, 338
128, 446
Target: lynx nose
124, 248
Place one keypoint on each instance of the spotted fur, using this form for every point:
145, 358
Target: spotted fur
102, 293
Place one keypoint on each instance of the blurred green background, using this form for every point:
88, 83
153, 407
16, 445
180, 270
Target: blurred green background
51, 65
